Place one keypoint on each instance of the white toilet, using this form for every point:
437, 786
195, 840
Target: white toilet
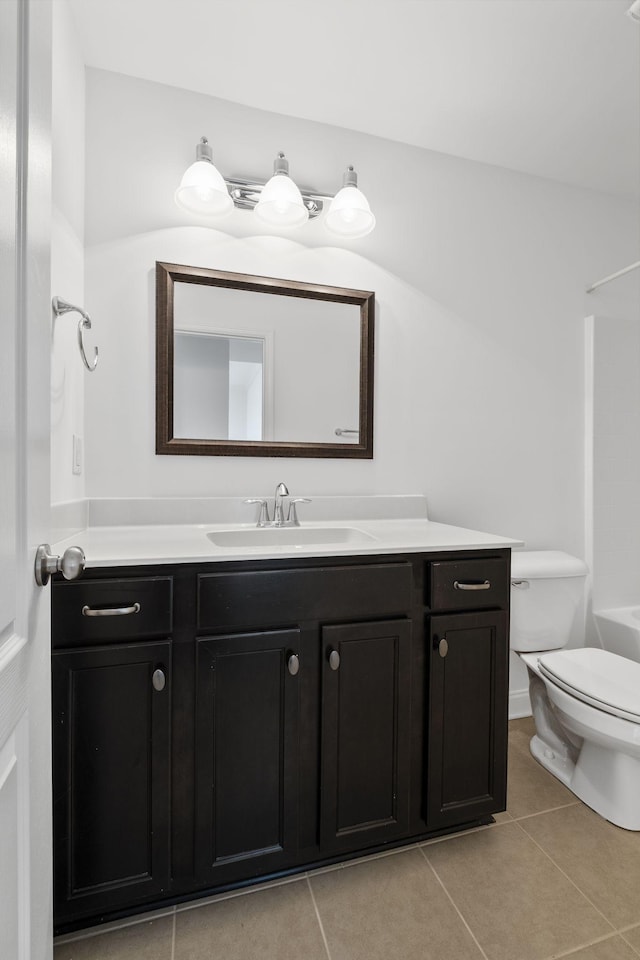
585, 702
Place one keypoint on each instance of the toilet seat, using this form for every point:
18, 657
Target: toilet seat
596, 677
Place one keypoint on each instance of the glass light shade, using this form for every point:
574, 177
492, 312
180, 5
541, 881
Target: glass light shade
350, 214
203, 190
281, 203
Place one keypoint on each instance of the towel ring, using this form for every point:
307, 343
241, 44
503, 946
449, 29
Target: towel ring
60, 307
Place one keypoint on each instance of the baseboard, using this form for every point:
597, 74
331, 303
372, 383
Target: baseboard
519, 704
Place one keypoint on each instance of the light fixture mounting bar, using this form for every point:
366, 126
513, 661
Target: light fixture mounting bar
246, 193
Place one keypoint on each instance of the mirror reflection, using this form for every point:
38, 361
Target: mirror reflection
218, 384
252, 366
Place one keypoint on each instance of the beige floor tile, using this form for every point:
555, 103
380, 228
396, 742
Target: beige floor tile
516, 902
613, 949
503, 817
530, 788
602, 860
275, 924
633, 937
522, 726
390, 908
144, 941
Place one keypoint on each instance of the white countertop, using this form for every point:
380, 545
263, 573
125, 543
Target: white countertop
188, 543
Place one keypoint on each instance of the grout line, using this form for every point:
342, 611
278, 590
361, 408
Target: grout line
632, 926
453, 904
583, 946
321, 925
462, 833
196, 903
173, 936
489, 826
566, 875
539, 813
97, 931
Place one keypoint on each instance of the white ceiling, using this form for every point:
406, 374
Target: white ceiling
547, 87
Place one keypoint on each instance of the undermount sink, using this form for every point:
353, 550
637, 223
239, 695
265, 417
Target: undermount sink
287, 536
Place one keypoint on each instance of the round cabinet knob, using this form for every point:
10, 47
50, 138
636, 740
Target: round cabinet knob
72, 563
158, 680
293, 664
334, 659
443, 648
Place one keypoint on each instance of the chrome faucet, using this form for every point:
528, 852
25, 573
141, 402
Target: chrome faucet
292, 516
278, 512
263, 519
278, 509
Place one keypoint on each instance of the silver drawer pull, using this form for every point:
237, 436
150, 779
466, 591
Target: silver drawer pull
461, 585
110, 611
158, 680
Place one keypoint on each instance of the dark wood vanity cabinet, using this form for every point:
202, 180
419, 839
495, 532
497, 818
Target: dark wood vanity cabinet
366, 707
246, 740
305, 713
468, 687
111, 761
111, 691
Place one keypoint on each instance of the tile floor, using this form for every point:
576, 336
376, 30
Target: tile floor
549, 879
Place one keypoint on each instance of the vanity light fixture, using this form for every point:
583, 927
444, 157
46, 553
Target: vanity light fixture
350, 214
278, 202
202, 188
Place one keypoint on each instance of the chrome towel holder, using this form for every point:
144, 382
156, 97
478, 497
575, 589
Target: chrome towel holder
60, 307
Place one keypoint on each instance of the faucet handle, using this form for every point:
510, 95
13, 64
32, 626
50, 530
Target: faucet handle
292, 517
263, 519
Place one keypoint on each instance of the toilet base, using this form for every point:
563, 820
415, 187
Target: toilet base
593, 753
562, 767
606, 780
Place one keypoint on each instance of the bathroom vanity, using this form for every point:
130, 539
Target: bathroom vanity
221, 721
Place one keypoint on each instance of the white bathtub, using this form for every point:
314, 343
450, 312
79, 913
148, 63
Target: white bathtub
619, 631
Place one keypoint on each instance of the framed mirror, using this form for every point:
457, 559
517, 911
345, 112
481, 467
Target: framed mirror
252, 366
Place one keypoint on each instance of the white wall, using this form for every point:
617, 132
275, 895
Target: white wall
67, 251
614, 344
479, 276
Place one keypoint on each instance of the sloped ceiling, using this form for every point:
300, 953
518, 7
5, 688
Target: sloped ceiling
546, 87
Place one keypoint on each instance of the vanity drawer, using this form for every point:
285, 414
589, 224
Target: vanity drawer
475, 584
279, 597
95, 611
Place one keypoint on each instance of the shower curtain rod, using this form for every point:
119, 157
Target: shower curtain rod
613, 276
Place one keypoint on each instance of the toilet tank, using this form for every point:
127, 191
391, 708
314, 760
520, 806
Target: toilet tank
547, 590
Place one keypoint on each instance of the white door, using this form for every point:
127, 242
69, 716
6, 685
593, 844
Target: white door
25, 329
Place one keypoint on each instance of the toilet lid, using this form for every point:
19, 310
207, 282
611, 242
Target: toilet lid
597, 677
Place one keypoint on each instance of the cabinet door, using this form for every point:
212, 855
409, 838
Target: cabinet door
110, 776
467, 733
365, 734
246, 738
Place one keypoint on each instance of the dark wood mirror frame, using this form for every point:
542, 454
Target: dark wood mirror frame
167, 274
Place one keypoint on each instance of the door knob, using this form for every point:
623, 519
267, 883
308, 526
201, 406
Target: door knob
70, 564
158, 680
443, 647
